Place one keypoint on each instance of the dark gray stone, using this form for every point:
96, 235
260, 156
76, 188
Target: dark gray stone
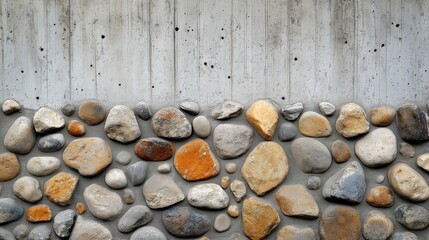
135, 217
68, 109
412, 216
40, 232
63, 223
137, 172
311, 155
10, 210
184, 222
51, 143
148, 232
142, 110
6, 235
287, 131
20, 232
291, 112
314, 183
231, 141
21, 137
403, 236
412, 123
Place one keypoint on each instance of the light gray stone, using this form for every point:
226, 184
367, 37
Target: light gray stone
423, 161
102, 203
404, 236
68, 109
407, 150
377, 148
20, 231
291, 112
311, 155
63, 223
43, 166
208, 195
377, 226
314, 183
171, 123
190, 107
10, 106
89, 229
20, 138
161, 191
380, 179
222, 223
128, 196
46, 119
164, 168
231, 141
227, 109
287, 131
137, 172
40, 232
10, 210
27, 189
6, 235
327, 108
121, 124
148, 232
51, 143
201, 126
123, 158
238, 189
135, 217
115, 178
142, 110
231, 168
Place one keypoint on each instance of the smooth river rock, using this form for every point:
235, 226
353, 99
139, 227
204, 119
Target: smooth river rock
340, 222
102, 203
115, 178
91, 112
137, 172
68, 109
407, 150
208, 195
10, 210
227, 109
404, 236
76, 128
190, 107
60, 188
9, 166
171, 123
43, 166
377, 148
326, 108
51, 143
6, 235
27, 189
231, 141
380, 196
201, 126
121, 124
311, 155
135, 217
20, 137
340, 151
296, 201
412, 216
287, 131
142, 110
183, 222
263, 116
377, 226
290, 232
154, 149
382, 116
89, 229
423, 161
46, 119
148, 232
259, 218
222, 222
408, 183
161, 191
20, 231
412, 123
352, 121
312, 124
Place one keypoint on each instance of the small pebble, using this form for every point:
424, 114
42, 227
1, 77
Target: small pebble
222, 222
76, 128
190, 107
10, 106
380, 196
123, 158
128, 196
238, 189
68, 109
224, 182
227, 109
116, 179
291, 112
102, 202
80, 208
40, 232
142, 110
287, 131
233, 211
340, 151
51, 143
380, 179
231, 168
201, 126
20, 232
137, 172
327, 109
407, 150
164, 168
43, 166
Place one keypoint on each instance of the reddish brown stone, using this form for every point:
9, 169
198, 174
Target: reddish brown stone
340, 222
80, 208
39, 213
9, 166
340, 151
91, 112
76, 128
195, 161
154, 149
59, 189
380, 196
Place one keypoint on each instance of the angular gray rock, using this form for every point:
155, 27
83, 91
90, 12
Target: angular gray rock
63, 223
377, 148
161, 191
10, 106
190, 107
222, 222
412, 123
51, 143
208, 195
291, 112
68, 109
327, 109
20, 137
27, 189
171, 123
43, 166
121, 124
135, 217
412, 216
148, 232
115, 178
227, 109
6, 235
231, 141
142, 110
347, 185
102, 203
311, 155
137, 172
20, 231
10, 210
89, 229
46, 119
40, 232
238, 189
123, 158
287, 131
201, 126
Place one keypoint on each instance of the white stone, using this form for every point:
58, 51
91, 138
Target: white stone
208, 195
201, 126
102, 203
27, 189
164, 168
46, 119
121, 124
43, 166
377, 148
116, 179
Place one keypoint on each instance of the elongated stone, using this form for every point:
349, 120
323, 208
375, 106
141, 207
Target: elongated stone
408, 183
185, 223
20, 137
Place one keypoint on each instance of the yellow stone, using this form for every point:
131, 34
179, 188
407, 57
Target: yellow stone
312, 124
263, 116
259, 218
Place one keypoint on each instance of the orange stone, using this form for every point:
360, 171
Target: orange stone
154, 149
59, 189
380, 196
195, 161
39, 213
76, 128
80, 208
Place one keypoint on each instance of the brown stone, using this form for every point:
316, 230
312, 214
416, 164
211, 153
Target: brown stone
39, 213
89, 156
80, 208
195, 161
154, 149
259, 218
9, 166
340, 222
312, 124
352, 121
76, 128
295, 233
382, 116
340, 151
265, 167
91, 112
263, 116
59, 189
408, 183
296, 201
380, 196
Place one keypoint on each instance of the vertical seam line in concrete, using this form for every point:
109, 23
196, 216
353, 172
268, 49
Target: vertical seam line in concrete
150, 51
355, 60
174, 53
231, 85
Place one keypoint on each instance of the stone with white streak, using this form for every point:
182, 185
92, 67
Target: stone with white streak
208, 195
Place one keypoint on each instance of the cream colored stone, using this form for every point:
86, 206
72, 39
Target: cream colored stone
312, 124
352, 121
408, 183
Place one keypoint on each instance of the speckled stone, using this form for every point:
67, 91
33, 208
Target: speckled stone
10, 106
287, 131
60, 188
377, 148
137, 172
201, 126
408, 183
128, 196
222, 223
40, 232
164, 168
142, 110
135, 217
340, 222
102, 203
154, 149
380, 196
38, 213
63, 223
259, 218
171, 123
91, 112
314, 183
411, 122
263, 116
326, 108
123, 158
51, 143
377, 226
190, 107
231, 168
208, 195
9, 166
76, 128
46, 119
238, 189
231, 141
148, 232
115, 178
20, 137
224, 182
382, 116
121, 124
89, 229
185, 223
10, 210
412, 216
21, 231
43, 166
68, 109
290, 232
380, 179
6, 235
291, 112
352, 121
27, 189
227, 109
312, 124
233, 211
296, 201
340, 151
161, 191
407, 150
311, 155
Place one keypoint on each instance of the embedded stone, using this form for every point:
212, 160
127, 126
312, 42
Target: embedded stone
380, 179
89, 229
128, 196
377, 226
164, 168
231, 168
238, 189
224, 182
296, 201
263, 116
407, 150
154, 149
311, 155
233, 211
265, 167
51, 143
121, 124
377, 148
408, 183
190, 107
63, 223
412, 216
89, 156
20, 232
123, 158
80, 208
287, 131
43, 166
39, 213
423, 161
135, 217
115, 178
142, 110
290, 232
27, 189
137, 172
404, 236
222, 223
227, 109
237, 236
185, 223
10, 106
232, 141
346, 185
195, 161
161, 191
312, 124
171, 123
380, 196
102, 203
9, 166
291, 112
314, 183
40, 232
20, 137
148, 232
412, 123
46, 119
10, 210
340, 151
68, 109
208, 195
327, 109
76, 128
259, 219
60, 188
352, 121
339, 222
201, 126
382, 116
91, 112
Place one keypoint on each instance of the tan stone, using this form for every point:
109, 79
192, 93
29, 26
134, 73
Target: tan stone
340, 151
352, 121
339, 222
312, 124
408, 183
80, 208
263, 116
224, 182
39, 213
260, 218
377, 226
423, 161
60, 188
296, 201
382, 116
91, 112
295, 233
265, 167
233, 211
9, 166
380, 196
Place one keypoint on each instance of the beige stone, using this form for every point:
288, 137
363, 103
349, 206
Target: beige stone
312, 124
339, 222
352, 121
233, 211
408, 183
377, 226
423, 161
9, 166
296, 201
382, 116
224, 182
260, 218
295, 233
263, 116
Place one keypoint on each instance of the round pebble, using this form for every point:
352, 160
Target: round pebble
9, 166
123, 158
201, 126
91, 112
135, 217
314, 183
380, 179
80, 208
68, 109
142, 110
40, 232
128, 196
43, 166
287, 131
137, 172
116, 179
164, 168
148, 232
233, 211
377, 226
413, 217
222, 222
27, 189
76, 128
231, 168
224, 182
20, 231
327, 109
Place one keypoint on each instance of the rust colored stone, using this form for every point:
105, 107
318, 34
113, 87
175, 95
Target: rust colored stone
380, 196
76, 128
154, 149
80, 208
340, 151
39, 213
9, 166
59, 189
195, 161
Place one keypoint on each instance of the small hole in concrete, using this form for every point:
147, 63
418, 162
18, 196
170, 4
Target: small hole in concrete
177, 29
102, 36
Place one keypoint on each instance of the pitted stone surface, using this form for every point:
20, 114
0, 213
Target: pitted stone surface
231, 141
171, 123
291, 112
352, 121
311, 155
60, 188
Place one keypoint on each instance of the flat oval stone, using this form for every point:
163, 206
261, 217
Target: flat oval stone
51, 143
43, 166
265, 167
291, 112
135, 217
6, 235
407, 150
231, 168
412, 123
121, 124
232, 141
10, 210
27, 189
91, 112
9, 166
89, 156
195, 161
263, 116
404, 236
227, 109
377, 148
296, 201
423, 161
40, 232
60, 188
377, 226
154, 149
208, 195
142, 110
46, 119
68, 109
222, 223
137, 173
20, 232
115, 178
123, 158
340, 151
339, 222
287, 131
190, 107
20, 137
201, 126
102, 203
312, 124
38, 213
382, 116
233, 211
327, 108
161, 191
412, 216
164, 168
238, 189
290, 232
380, 196
76, 128
408, 183
185, 223
352, 121
89, 229
311, 155
259, 219
171, 123
10, 106
148, 232
63, 223
346, 185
